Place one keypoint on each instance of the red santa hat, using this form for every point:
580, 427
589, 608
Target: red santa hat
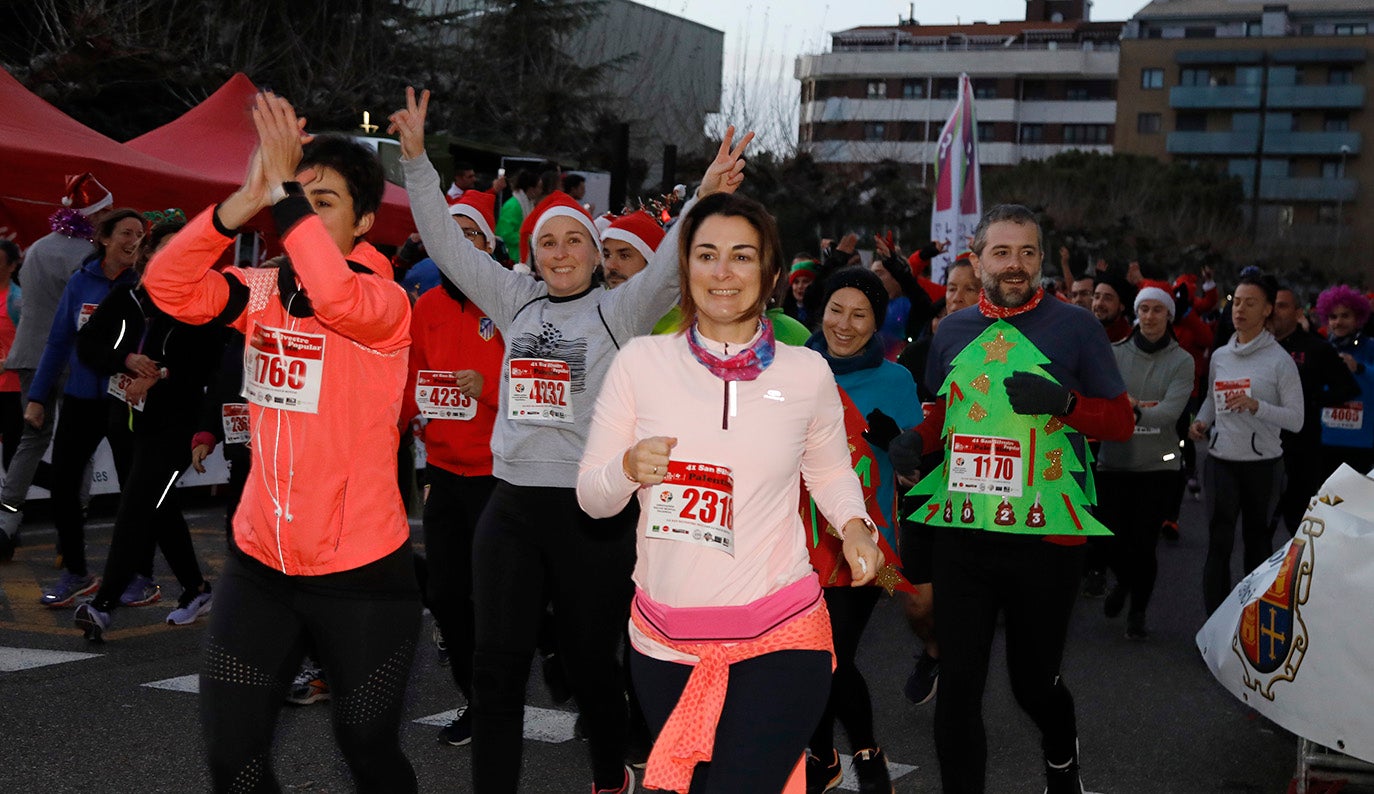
86, 195
639, 229
1155, 291
556, 204
480, 207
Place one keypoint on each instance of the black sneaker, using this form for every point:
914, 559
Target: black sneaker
458, 732
1114, 602
924, 678
1063, 779
870, 767
822, 776
1135, 626
1095, 583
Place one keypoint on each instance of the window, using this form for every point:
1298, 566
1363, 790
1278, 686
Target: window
1352, 29
877, 89
1209, 32
1191, 122
1147, 123
1336, 122
913, 89
1194, 77
1254, 29
1333, 169
1249, 75
874, 131
1033, 90
1327, 215
1340, 75
1032, 133
1091, 134
987, 132
1244, 122
984, 89
947, 89
1076, 93
1285, 75
1280, 122
1273, 167
913, 131
1151, 78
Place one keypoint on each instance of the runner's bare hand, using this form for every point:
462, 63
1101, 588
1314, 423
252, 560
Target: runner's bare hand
280, 137
469, 382
647, 461
408, 123
726, 173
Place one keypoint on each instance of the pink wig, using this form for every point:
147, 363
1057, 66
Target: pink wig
1341, 295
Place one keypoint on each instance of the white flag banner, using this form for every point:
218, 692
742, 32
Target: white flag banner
1295, 638
958, 182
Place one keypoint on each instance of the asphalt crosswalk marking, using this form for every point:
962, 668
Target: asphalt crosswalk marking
851, 783
12, 659
182, 683
541, 725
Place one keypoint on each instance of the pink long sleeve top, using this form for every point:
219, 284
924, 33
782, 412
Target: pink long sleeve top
782, 426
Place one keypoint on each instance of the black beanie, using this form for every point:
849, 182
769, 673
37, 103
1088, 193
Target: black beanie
1123, 289
864, 281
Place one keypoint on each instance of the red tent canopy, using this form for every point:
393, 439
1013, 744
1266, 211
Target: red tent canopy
40, 146
217, 138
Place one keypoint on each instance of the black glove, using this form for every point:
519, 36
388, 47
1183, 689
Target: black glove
881, 429
905, 452
1034, 394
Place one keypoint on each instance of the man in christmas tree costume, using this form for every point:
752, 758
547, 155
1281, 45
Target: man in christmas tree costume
1025, 379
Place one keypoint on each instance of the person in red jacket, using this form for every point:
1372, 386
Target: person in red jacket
321, 548
454, 385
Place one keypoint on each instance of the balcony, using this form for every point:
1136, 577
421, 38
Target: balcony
1316, 96
1221, 97
1318, 143
1315, 189
1190, 143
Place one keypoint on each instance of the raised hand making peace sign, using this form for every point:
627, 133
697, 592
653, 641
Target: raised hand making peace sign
725, 173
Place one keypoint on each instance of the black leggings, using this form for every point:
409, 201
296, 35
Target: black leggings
84, 423
1133, 505
452, 508
1248, 489
1034, 583
535, 546
150, 514
1304, 468
771, 703
849, 702
361, 626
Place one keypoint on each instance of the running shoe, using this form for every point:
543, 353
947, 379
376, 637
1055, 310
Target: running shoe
1115, 601
458, 732
69, 588
1169, 529
1135, 626
190, 607
924, 678
821, 776
1063, 778
1095, 583
870, 767
624, 788
1195, 488
440, 647
142, 591
92, 622
309, 686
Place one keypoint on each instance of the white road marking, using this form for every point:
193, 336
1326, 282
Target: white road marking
851, 783
541, 725
184, 683
12, 659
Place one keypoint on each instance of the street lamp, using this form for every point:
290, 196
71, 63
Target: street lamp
1340, 197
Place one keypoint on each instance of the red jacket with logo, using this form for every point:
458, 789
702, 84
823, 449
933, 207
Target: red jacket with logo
321, 496
450, 335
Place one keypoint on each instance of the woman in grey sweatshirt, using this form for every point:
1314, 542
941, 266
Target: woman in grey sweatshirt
1255, 394
533, 544
1134, 477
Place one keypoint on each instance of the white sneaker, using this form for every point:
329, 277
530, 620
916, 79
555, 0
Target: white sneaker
190, 612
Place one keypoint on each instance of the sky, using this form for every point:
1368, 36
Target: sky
763, 37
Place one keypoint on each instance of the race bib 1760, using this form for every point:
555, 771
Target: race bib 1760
283, 369
694, 504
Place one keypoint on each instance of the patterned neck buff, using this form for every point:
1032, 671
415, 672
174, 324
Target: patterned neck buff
747, 364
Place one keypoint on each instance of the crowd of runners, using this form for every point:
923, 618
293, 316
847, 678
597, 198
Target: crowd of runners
663, 460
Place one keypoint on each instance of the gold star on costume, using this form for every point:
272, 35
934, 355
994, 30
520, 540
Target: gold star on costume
997, 349
977, 413
888, 578
982, 383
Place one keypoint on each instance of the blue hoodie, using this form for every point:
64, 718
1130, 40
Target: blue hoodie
84, 292
1351, 425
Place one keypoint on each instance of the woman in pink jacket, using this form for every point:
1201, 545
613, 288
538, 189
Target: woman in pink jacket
732, 649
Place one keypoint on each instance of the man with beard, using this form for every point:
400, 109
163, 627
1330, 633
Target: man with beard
1031, 579
1111, 296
